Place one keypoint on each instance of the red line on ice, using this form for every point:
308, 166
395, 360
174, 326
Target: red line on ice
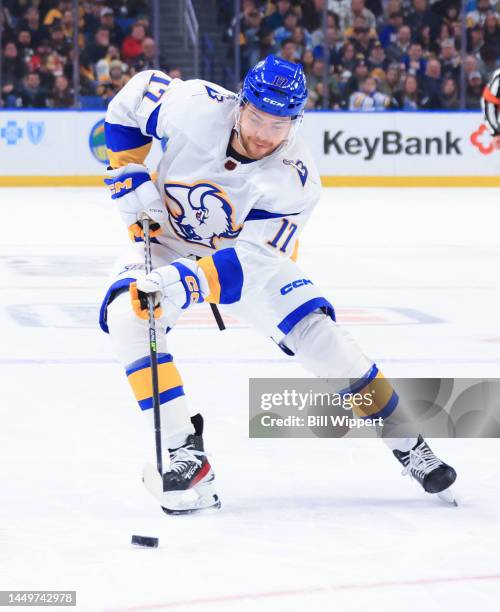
305, 591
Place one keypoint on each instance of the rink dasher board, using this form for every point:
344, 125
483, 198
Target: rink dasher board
387, 149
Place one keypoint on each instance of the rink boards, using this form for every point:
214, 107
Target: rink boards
388, 149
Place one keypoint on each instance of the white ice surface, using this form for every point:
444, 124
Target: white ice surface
318, 524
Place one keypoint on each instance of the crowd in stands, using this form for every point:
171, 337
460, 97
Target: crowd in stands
370, 54
376, 54
38, 49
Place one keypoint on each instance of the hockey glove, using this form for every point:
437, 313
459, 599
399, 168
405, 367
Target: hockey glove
175, 286
136, 195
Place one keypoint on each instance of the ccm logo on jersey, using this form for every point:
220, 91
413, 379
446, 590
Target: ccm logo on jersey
118, 186
294, 284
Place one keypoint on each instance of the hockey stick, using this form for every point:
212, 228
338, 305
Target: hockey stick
216, 312
153, 349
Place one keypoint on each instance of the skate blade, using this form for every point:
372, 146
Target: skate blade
448, 497
175, 512
201, 497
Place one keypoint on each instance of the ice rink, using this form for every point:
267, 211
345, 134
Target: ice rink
305, 524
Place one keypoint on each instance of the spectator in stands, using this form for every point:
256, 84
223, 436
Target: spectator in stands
492, 31
132, 45
332, 21
312, 14
62, 95
348, 57
391, 84
90, 18
478, 17
470, 65
476, 39
98, 49
117, 79
358, 76
367, 98
409, 98
284, 32
334, 45
288, 51
24, 45
146, 60
414, 60
450, 60
358, 9
302, 40
430, 84
397, 51
489, 60
276, 19
307, 61
13, 69
449, 94
56, 13
31, 93
58, 40
423, 37
474, 91
107, 20
31, 23
421, 15
267, 44
362, 36
317, 73
342, 9
389, 31
250, 26
103, 66
377, 58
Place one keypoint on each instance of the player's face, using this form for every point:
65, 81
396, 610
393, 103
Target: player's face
261, 133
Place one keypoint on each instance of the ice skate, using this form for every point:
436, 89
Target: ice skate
431, 473
188, 485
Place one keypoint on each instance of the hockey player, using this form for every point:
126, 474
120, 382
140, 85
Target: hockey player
491, 106
235, 187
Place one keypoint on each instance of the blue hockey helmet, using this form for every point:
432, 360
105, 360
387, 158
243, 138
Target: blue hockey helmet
276, 86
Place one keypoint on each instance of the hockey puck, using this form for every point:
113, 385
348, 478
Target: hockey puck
138, 540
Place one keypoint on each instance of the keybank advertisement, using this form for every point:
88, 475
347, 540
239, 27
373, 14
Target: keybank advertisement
401, 144
72, 143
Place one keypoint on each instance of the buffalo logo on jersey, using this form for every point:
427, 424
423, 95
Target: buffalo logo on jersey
200, 213
301, 169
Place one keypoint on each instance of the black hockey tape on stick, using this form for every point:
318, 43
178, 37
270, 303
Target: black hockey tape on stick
216, 312
218, 317
153, 349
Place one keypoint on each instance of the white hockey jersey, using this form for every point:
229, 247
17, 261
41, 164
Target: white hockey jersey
214, 202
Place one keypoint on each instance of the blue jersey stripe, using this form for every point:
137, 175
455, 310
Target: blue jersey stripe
230, 275
258, 214
124, 137
152, 123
